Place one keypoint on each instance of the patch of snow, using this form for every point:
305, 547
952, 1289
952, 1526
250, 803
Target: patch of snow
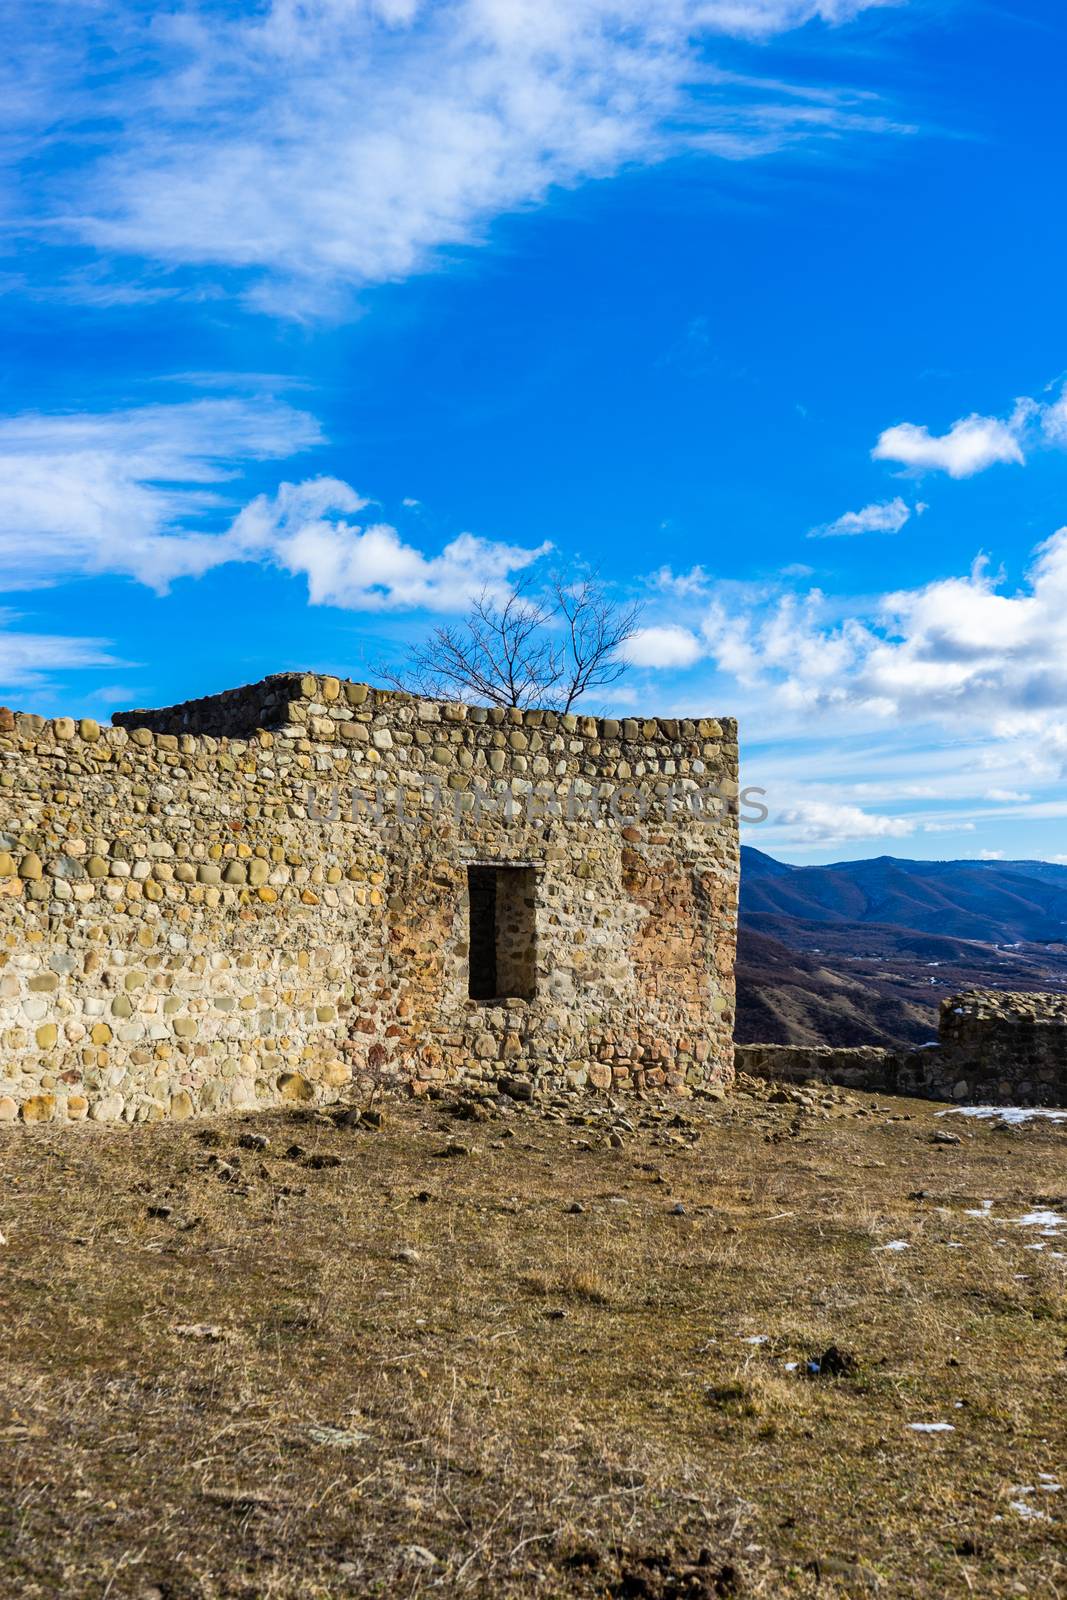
1041, 1219
894, 1244
753, 1338
1012, 1114
982, 1211
791, 1366
931, 1427
1023, 1510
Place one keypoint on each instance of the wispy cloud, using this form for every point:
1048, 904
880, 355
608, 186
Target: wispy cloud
831, 822
126, 491
31, 660
153, 493
888, 516
316, 147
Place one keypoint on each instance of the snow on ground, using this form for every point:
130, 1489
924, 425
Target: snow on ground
1012, 1114
1041, 1219
1024, 1510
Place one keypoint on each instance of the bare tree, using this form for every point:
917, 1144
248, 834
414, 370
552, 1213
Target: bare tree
545, 648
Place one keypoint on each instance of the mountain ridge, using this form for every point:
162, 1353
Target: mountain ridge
862, 952
992, 901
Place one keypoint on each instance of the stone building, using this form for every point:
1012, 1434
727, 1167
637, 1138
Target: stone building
269, 893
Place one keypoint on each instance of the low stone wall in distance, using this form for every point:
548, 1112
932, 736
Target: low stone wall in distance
993, 1048
866, 1067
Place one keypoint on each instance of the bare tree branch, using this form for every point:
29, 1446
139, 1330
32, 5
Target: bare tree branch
597, 630
547, 649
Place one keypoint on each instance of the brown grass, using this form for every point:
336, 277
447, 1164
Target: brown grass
415, 1374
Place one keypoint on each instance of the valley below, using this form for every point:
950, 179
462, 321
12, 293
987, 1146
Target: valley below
825, 955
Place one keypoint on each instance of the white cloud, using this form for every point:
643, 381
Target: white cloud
116, 492
971, 445
958, 645
948, 827
1054, 420
132, 494
967, 654
304, 529
974, 443
116, 694
30, 660
669, 646
889, 516
990, 855
1006, 796
829, 822
317, 145
680, 584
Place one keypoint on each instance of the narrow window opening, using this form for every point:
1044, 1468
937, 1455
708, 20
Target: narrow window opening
502, 945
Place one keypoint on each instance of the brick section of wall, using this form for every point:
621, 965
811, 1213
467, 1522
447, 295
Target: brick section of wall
196, 915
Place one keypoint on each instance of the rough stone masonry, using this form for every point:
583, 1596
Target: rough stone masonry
306, 886
994, 1047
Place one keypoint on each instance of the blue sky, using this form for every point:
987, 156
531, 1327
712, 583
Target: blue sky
318, 317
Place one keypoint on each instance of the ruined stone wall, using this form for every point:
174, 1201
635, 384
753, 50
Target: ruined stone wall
263, 896
865, 1067
993, 1048
1002, 1049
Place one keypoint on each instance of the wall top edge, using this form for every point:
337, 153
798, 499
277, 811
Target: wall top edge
301, 703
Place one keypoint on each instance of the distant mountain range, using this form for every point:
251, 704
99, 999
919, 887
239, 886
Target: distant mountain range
861, 952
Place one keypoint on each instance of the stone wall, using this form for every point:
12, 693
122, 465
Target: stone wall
993, 1048
263, 896
1001, 1049
274, 702
867, 1067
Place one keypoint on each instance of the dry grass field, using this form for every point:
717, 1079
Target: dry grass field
505, 1351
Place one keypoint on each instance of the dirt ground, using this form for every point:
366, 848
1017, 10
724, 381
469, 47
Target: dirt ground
491, 1349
